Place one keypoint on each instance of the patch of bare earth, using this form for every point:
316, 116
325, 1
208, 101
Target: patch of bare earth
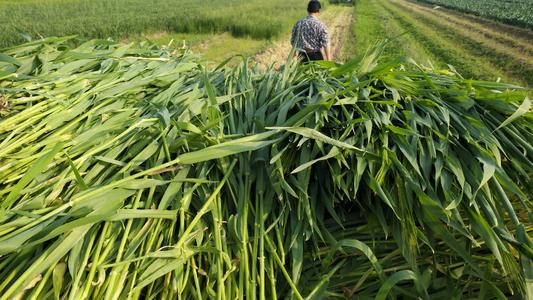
340, 28
218, 38
338, 21
149, 36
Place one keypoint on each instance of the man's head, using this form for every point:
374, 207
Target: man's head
313, 7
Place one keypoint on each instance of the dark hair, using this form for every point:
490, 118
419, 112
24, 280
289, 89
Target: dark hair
313, 6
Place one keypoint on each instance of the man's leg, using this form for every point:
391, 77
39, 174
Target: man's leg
304, 57
316, 55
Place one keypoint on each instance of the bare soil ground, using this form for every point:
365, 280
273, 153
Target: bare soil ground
338, 20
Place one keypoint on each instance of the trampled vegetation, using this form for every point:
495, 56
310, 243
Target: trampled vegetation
121, 18
131, 171
515, 12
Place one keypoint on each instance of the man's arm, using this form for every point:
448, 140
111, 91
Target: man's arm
324, 40
327, 51
293, 34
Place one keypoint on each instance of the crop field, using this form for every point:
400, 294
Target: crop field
123, 18
158, 149
515, 12
477, 48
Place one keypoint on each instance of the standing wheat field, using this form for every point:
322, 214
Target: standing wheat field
124, 18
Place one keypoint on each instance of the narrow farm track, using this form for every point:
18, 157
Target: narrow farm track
338, 20
476, 47
339, 28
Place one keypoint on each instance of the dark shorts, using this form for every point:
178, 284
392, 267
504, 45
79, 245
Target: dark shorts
309, 56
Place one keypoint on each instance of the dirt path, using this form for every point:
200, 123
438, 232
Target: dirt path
341, 29
339, 21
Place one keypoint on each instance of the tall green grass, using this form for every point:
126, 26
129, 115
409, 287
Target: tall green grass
122, 18
132, 172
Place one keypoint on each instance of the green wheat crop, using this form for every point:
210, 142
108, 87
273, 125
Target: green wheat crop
123, 18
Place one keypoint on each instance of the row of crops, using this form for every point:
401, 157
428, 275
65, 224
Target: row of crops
514, 12
128, 171
123, 18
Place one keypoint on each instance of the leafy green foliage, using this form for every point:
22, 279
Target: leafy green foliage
134, 172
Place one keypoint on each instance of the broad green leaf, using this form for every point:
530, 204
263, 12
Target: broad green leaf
332, 153
367, 251
79, 179
316, 135
520, 111
137, 184
9, 59
384, 290
38, 167
233, 147
124, 214
58, 278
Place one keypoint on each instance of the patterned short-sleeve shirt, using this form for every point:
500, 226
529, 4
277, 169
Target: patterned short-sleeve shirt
309, 34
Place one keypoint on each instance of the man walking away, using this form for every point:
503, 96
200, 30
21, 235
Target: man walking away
310, 36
